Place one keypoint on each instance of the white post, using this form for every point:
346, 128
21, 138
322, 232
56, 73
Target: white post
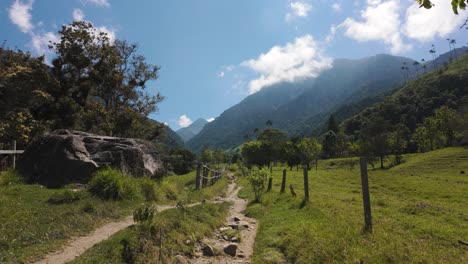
14, 154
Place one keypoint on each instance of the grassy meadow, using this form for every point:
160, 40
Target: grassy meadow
35, 220
419, 212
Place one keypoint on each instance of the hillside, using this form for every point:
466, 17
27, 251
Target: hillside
418, 99
290, 106
186, 133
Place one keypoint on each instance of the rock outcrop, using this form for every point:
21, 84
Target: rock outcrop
66, 156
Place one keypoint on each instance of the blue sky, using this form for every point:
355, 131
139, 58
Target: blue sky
214, 53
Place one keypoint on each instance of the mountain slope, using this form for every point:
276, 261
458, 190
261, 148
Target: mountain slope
289, 106
418, 99
186, 133
228, 130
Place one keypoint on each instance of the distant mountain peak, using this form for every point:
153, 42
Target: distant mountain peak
186, 133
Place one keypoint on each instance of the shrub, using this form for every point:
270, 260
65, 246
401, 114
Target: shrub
66, 196
148, 189
9, 177
257, 181
111, 184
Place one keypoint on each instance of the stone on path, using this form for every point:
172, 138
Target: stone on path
231, 249
208, 251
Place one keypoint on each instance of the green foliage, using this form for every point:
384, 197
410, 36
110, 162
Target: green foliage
257, 180
144, 213
9, 177
206, 155
255, 153
65, 197
309, 149
111, 184
149, 189
181, 161
158, 239
94, 84
456, 4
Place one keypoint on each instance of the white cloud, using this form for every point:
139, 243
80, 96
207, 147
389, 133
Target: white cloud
381, 22
296, 61
20, 15
78, 14
298, 9
221, 74
101, 3
425, 24
336, 7
210, 119
40, 42
184, 121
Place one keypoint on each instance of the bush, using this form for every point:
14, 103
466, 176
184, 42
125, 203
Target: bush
148, 189
66, 196
9, 177
111, 184
257, 181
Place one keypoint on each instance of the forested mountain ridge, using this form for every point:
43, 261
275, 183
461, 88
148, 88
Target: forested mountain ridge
289, 106
416, 101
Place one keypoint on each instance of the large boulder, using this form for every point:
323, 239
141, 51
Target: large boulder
66, 156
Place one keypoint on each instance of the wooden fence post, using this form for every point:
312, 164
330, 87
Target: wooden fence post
14, 155
306, 184
365, 196
205, 177
283, 182
270, 183
197, 177
213, 175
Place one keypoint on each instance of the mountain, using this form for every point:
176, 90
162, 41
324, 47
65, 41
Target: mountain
290, 105
418, 99
186, 133
228, 130
168, 137
303, 108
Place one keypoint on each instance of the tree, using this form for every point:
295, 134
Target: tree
290, 153
374, 138
181, 161
272, 141
330, 139
398, 141
91, 67
206, 155
448, 121
218, 156
255, 153
456, 4
309, 150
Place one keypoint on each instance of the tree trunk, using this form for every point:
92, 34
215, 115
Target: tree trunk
381, 162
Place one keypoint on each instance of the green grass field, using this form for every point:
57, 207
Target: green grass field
419, 213
30, 226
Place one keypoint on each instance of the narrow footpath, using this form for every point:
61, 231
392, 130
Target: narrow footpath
236, 220
230, 250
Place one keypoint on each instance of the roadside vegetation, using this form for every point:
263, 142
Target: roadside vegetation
36, 220
418, 208
159, 238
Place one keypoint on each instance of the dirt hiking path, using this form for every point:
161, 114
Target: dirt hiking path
222, 245
79, 245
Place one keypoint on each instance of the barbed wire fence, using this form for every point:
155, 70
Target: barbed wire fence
207, 176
